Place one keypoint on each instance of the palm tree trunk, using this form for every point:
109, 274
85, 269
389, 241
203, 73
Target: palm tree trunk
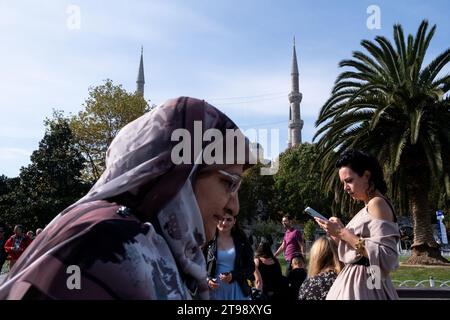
425, 250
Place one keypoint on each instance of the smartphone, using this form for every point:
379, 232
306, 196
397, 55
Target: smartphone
313, 213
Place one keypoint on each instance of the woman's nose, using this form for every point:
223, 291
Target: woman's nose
233, 203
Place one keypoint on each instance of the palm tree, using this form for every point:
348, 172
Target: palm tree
393, 106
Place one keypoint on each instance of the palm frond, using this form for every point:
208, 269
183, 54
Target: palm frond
399, 39
416, 117
369, 61
377, 115
399, 151
389, 104
390, 57
434, 67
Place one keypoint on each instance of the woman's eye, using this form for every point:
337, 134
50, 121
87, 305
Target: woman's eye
227, 183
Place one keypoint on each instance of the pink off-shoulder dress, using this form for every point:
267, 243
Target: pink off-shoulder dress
370, 281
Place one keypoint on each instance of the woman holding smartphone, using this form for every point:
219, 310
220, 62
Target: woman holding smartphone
367, 245
229, 262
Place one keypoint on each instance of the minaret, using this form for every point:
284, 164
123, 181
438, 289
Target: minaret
295, 97
140, 79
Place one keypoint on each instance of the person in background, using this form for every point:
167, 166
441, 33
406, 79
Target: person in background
268, 275
30, 235
38, 231
16, 245
324, 266
293, 243
229, 261
296, 277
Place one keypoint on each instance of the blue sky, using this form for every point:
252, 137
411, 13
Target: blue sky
235, 54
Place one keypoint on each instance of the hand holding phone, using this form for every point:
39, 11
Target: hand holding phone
225, 277
212, 283
313, 213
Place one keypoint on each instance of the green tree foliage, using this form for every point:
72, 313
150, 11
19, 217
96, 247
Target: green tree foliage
269, 230
309, 230
107, 109
297, 183
8, 189
256, 194
50, 183
397, 108
290, 191
7, 185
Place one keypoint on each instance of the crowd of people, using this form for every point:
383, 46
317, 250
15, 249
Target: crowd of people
12, 247
157, 228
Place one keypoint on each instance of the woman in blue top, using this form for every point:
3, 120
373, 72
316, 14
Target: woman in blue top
229, 259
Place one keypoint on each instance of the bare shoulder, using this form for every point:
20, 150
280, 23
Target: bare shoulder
380, 209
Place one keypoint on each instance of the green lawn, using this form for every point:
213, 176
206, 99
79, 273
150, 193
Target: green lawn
420, 273
410, 273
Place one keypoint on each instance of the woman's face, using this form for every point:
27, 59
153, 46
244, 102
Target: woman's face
227, 223
212, 191
355, 185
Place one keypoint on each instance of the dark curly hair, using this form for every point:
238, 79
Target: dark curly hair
359, 162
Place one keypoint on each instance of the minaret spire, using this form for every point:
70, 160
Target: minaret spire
295, 97
294, 70
141, 79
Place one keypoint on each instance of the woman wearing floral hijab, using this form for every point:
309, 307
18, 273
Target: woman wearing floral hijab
137, 233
